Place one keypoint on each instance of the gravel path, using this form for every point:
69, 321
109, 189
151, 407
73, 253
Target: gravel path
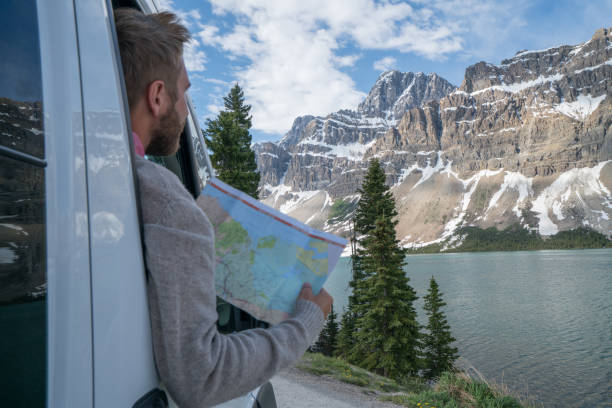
298, 389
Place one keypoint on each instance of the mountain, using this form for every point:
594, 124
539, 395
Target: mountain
528, 141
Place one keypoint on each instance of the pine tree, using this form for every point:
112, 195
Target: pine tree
229, 140
234, 102
387, 333
375, 199
439, 356
328, 339
346, 338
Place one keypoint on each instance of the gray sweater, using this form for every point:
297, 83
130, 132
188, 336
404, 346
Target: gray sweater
198, 365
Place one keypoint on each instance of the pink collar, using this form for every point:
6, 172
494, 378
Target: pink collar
138, 148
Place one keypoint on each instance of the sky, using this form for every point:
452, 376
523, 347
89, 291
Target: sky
315, 57
20, 64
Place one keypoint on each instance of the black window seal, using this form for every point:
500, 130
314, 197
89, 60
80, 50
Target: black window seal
21, 156
191, 167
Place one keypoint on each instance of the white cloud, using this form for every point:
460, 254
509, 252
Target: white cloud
295, 50
194, 57
218, 82
207, 34
484, 24
385, 64
346, 60
214, 109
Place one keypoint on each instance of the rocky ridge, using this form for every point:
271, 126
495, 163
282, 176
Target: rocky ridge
528, 141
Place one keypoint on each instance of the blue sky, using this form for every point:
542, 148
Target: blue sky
298, 57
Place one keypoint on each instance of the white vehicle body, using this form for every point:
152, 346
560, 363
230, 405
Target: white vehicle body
98, 336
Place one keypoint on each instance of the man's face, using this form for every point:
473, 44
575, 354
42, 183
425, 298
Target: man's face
166, 135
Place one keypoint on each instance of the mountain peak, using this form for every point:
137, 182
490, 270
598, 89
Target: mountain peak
395, 92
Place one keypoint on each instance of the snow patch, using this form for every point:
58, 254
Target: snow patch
578, 48
608, 62
581, 108
572, 182
426, 172
513, 181
269, 154
406, 91
298, 198
451, 225
514, 88
520, 54
277, 191
353, 151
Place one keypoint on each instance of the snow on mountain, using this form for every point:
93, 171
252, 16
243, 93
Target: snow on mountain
527, 141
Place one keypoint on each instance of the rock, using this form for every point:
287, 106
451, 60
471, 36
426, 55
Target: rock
505, 136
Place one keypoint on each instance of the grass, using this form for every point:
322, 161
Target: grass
452, 390
320, 365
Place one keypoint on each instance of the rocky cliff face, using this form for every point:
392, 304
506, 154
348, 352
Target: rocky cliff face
527, 141
320, 150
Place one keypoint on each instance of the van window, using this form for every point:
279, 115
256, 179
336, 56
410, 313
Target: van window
23, 281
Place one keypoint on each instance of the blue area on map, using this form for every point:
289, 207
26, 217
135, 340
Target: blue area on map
277, 271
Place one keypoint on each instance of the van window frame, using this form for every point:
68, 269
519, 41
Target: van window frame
239, 319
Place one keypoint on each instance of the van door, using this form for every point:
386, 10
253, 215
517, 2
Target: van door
123, 366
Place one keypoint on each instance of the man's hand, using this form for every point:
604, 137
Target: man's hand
323, 299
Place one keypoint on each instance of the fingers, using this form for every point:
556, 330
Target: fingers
306, 292
322, 299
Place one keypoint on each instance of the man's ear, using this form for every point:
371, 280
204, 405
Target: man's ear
156, 94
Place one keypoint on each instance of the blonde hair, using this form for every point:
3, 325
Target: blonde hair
151, 47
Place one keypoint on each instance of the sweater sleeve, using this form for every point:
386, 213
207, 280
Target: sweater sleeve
200, 366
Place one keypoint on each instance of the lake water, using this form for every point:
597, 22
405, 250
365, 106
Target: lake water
538, 322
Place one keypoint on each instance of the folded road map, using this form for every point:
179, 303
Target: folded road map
263, 256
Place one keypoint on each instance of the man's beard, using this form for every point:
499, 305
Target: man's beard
166, 136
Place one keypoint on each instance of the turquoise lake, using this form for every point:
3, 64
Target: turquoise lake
538, 322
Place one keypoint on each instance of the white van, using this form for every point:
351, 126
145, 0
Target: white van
74, 321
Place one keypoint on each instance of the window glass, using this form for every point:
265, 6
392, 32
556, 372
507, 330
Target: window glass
23, 283
20, 78
199, 151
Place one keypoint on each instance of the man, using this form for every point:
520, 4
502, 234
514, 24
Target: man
198, 365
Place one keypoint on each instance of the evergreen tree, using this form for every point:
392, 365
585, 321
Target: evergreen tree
375, 199
229, 140
387, 333
234, 102
439, 356
346, 340
328, 339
